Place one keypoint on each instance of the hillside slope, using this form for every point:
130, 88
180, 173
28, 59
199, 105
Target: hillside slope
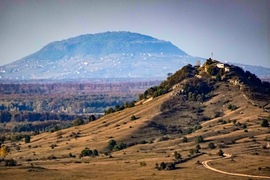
221, 103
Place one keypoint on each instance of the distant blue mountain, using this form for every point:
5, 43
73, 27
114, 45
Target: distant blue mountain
102, 55
103, 44
260, 71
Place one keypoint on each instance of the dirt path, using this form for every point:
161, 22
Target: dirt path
205, 164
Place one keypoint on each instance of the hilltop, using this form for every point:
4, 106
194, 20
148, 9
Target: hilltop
198, 114
108, 55
102, 55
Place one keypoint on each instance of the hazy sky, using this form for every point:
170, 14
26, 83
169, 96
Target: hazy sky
234, 30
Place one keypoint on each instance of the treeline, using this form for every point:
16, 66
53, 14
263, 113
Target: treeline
71, 87
78, 104
8, 116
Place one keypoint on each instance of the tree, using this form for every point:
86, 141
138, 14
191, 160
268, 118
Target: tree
86, 152
10, 162
27, 138
78, 122
265, 123
92, 118
211, 145
177, 155
199, 139
3, 151
111, 144
193, 151
198, 147
220, 153
133, 118
95, 152
232, 107
119, 147
185, 139
108, 111
162, 166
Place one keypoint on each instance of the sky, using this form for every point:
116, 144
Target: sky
234, 30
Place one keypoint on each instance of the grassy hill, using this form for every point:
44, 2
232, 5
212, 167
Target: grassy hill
197, 106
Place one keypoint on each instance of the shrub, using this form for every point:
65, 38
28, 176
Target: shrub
10, 162
95, 152
143, 163
119, 147
232, 107
53, 146
211, 145
133, 118
92, 118
165, 166
265, 123
86, 152
177, 155
193, 151
199, 139
185, 139
51, 157
111, 144
162, 166
71, 155
27, 138
78, 122
220, 153
198, 147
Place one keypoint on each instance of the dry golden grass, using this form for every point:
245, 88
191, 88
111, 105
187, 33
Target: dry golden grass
125, 164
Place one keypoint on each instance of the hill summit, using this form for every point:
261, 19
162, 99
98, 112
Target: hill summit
103, 55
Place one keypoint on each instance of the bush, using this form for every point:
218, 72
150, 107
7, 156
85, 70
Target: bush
199, 139
220, 153
166, 166
265, 123
78, 122
71, 155
111, 144
133, 118
143, 163
27, 138
86, 152
53, 146
185, 139
211, 145
95, 152
10, 162
198, 147
232, 107
119, 147
51, 157
162, 166
92, 118
177, 155
193, 151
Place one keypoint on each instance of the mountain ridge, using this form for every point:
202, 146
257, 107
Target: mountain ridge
102, 44
101, 55
114, 54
